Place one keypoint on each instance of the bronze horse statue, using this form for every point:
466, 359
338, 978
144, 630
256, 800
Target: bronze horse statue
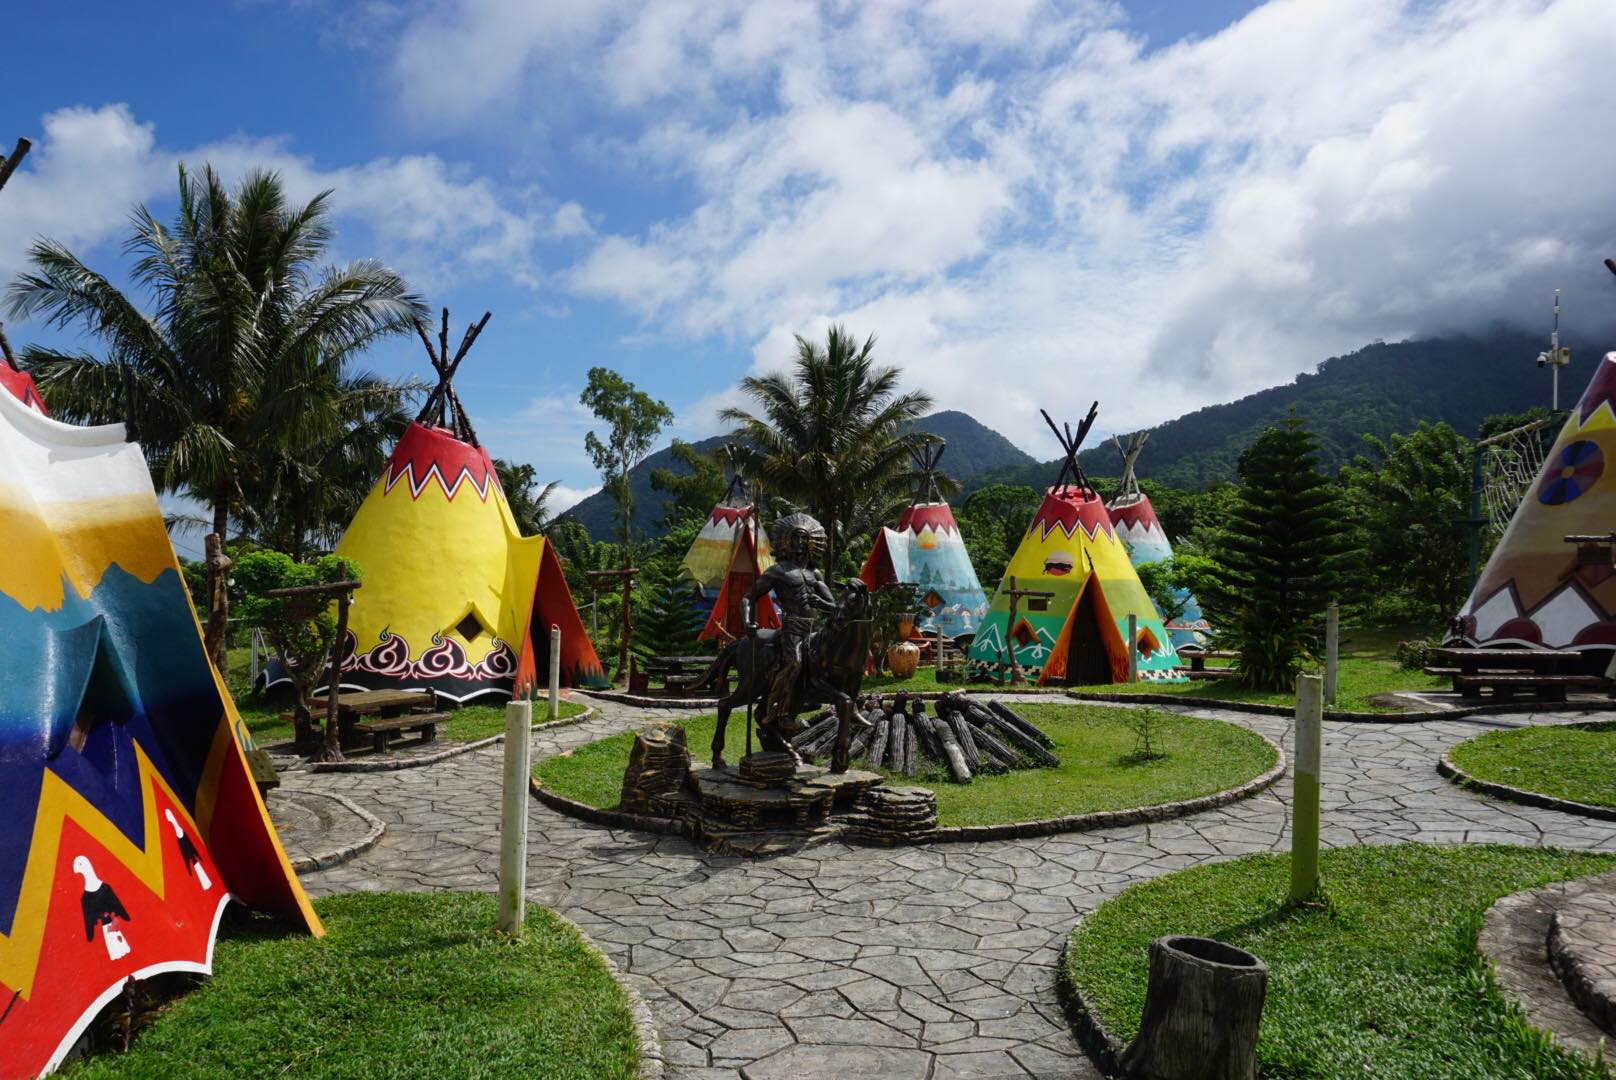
833, 675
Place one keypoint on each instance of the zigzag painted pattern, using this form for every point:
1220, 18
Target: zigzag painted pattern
59, 803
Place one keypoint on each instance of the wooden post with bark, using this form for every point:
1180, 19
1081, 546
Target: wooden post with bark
1203, 1004
314, 597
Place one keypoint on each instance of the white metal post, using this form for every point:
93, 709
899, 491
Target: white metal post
1133, 647
1305, 788
513, 817
1332, 650
555, 672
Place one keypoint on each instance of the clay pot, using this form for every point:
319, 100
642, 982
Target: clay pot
903, 658
906, 625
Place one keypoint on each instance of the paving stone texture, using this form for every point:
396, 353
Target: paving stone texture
845, 961
1515, 936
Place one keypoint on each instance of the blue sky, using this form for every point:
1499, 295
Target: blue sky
1160, 205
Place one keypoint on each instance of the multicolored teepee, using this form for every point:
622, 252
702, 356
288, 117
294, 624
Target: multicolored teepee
130, 815
451, 587
726, 557
17, 382
1141, 533
1061, 613
1537, 589
925, 551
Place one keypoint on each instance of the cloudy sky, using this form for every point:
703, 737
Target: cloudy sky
1162, 204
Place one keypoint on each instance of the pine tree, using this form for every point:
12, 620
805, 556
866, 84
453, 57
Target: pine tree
666, 620
1280, 555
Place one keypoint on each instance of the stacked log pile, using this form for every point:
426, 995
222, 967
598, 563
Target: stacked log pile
954, 734
658, 762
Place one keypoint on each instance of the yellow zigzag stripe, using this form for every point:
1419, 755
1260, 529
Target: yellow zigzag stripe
59, 803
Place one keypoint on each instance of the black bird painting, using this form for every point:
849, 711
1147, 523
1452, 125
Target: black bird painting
101, 908
188, 852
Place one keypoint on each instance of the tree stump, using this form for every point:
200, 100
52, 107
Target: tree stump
1202, 1007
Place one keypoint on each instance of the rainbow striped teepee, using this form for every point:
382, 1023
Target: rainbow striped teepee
1077, 632
925, 550
128, 813
1537, 590
1141, 533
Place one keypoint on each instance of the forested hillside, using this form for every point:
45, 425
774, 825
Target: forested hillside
1380, 389
973, 450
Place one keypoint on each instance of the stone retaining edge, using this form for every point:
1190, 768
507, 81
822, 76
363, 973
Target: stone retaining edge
1588, 990
1447, 768
1103, 819
1092, 1035
652, 1065
1347, 716
442, 755
1013, 830
324, 860
615, 819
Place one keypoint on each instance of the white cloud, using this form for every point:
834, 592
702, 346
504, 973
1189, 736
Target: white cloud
436, 222
1032, 207
564, 498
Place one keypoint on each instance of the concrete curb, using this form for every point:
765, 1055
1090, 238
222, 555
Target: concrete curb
324, 860
1447, 768
1014, 830
1092, 1035
652, 1065
1345, 716
423, 760
880, 691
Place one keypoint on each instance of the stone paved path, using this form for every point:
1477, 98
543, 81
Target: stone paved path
921, 962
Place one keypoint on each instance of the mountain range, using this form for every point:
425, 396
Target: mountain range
1380, 389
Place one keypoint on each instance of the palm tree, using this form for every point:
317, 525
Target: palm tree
530, 508
304, 494
238, 360
833, 436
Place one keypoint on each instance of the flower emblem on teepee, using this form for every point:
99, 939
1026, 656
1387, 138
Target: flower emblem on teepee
1577, 469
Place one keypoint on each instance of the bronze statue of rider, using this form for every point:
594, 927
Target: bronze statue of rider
800, 593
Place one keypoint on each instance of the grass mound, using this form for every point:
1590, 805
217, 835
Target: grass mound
1576, 762
1098, 768
402, 985
1384, 981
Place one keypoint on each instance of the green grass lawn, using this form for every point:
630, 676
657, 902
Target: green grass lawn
1576, 763
466, 724
402, 985
1383, 982
1097, 771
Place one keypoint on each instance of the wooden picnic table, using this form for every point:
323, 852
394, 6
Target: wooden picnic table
1198, 658
380, 714
1506, 670
670, 668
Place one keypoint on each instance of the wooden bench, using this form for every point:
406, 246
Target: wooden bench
1213, 673
382, 729
263, 771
